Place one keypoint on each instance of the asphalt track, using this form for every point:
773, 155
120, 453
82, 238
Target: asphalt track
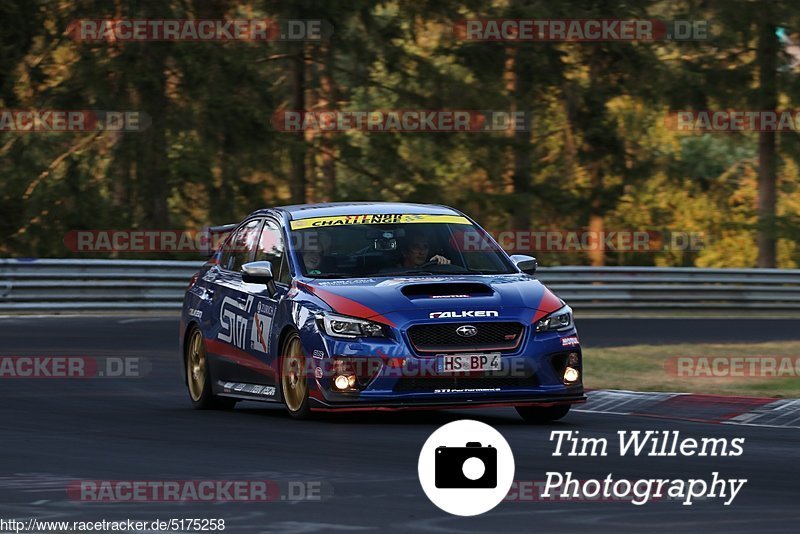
56, 431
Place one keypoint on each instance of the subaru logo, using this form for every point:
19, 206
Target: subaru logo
466, 330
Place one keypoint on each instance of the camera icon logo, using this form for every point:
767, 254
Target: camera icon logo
466, 467
472, 466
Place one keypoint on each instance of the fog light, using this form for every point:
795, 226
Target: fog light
571, 374
343, 382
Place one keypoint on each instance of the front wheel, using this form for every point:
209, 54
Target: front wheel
198, 376
538, 415
294, 381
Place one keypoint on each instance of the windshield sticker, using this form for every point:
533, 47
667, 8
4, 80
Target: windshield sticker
388, 218
347, 282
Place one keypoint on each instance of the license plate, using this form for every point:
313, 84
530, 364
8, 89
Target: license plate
459, 363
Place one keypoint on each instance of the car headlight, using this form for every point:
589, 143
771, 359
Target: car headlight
560, 319
349, 327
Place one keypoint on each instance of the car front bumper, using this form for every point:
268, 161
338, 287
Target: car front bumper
533, 374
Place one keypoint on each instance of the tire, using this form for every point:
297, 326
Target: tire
198, 375
294, 382
537, 415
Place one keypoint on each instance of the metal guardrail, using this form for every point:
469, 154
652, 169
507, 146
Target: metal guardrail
75, 285
675, 289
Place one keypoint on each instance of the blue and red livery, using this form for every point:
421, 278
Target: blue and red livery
373, 306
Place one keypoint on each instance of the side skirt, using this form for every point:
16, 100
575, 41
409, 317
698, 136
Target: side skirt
241, 390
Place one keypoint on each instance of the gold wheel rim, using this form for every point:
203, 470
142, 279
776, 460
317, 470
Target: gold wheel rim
293, 376
196, 366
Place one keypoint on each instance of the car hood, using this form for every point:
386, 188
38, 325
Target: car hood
394, 300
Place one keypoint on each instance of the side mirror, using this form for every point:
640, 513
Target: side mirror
526, 264
257, 272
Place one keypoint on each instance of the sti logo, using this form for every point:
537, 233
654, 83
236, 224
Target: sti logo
462, 314
234, 325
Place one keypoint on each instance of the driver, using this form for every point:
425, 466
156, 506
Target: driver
315, 251
415, 250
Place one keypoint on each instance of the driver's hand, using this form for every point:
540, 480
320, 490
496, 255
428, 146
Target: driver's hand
441, 260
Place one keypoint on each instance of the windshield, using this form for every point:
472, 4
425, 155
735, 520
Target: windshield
365, 246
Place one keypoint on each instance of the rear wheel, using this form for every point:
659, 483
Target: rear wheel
198, 375
539, 415
294, 383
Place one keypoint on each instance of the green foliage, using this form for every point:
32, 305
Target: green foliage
598, 146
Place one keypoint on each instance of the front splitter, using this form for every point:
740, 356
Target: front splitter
322, 406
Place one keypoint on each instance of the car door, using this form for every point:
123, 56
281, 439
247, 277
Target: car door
233, 310
265, 326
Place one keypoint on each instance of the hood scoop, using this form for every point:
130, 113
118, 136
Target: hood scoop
448, 290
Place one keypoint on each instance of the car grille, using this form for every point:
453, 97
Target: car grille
498, 336
429, 384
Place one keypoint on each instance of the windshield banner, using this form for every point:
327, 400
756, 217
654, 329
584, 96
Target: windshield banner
385, 218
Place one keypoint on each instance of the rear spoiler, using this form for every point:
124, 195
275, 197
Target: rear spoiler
216, 235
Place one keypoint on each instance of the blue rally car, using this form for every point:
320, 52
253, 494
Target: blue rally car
375, 306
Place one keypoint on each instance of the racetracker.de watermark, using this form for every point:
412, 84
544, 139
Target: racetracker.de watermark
188, 241
73, 367
401, 120
413, 367
61, 120
557, 491
198, 30
760, 366
581, 30
513, 241
217, 491
743, 120
143, 241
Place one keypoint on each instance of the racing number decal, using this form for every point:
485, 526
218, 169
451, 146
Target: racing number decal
259, 333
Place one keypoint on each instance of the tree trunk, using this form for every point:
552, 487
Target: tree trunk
519, 82
767, 92
297, 148
329, 98
226, 185
597, 257
153, 166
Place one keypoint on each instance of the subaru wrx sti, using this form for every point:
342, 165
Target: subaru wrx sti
375, 306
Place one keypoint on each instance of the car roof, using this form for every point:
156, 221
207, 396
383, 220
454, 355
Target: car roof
328, 209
